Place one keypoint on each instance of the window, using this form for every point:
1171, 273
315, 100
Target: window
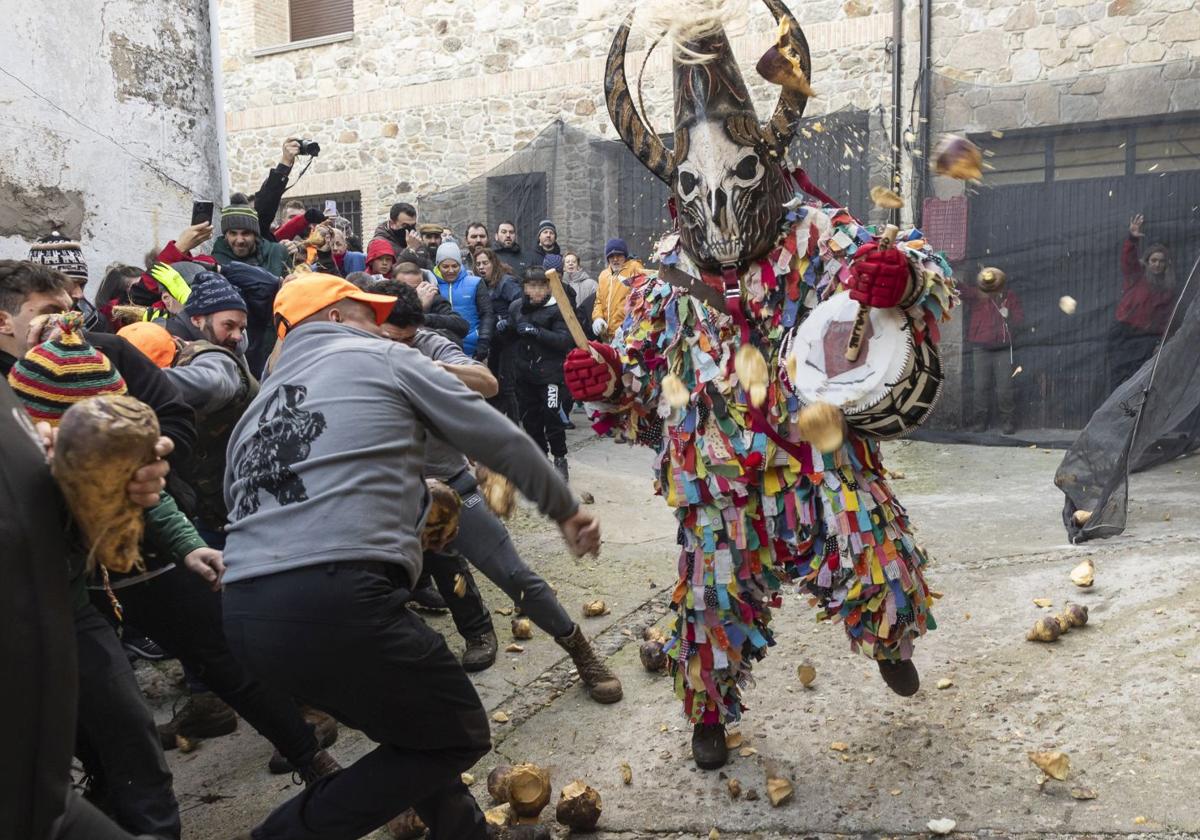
320, 18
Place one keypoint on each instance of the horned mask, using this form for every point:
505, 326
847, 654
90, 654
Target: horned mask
727, 169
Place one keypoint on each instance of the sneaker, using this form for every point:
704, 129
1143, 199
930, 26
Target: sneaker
325, 728
429, 599
138, 646
204, 715
560, 464
480, 653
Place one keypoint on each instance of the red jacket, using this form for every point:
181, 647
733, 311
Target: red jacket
1144, 305
986, 325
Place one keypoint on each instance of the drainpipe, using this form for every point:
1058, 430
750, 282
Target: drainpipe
897, 96
214, 43
925, 128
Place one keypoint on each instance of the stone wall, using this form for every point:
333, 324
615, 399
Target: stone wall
425, 96
109, 124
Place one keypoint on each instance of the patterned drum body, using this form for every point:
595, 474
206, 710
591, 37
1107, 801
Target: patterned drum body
885, 393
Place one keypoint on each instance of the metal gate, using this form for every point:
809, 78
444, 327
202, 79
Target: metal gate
1053, 215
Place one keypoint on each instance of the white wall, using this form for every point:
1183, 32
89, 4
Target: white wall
136, 71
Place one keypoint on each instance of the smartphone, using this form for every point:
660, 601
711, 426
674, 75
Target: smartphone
330, 208
202, 212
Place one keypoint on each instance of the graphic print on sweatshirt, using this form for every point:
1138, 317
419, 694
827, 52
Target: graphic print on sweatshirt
284, 438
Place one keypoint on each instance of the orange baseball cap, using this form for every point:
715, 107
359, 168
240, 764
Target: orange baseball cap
310, 293
153, 340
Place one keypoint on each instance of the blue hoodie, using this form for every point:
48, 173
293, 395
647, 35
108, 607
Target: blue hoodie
470, 297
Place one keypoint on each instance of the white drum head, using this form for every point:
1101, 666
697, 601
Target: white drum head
821, 371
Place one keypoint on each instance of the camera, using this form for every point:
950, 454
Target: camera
310, 147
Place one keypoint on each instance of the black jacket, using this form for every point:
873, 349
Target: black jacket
442, 317
395, 238
266, 200
38, 649
538, 357
512, 257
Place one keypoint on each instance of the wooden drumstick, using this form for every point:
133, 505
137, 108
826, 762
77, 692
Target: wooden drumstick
854, 343
568, 313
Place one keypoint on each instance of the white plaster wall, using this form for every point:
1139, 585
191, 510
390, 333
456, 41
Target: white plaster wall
136, 71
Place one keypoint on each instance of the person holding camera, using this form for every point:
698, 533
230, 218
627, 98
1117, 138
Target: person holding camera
270, 193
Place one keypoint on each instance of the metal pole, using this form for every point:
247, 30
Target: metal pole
926, 127
897, 96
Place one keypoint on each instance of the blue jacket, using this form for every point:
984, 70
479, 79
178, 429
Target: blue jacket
470, 297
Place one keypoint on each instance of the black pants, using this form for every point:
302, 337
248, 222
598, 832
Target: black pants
500, 363
120, 733
340, 638
992, 368
1128, 349
179, 611
81, 820
540, 406
470, 614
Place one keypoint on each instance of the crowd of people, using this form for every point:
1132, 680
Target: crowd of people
291, 489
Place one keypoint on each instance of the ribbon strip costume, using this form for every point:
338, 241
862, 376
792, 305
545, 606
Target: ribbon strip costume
757, 505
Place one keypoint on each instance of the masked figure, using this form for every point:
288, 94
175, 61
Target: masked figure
734, 365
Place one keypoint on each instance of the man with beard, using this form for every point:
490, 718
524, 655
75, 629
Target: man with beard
241, 240
509, 250
476, 241
214, 312
547, 242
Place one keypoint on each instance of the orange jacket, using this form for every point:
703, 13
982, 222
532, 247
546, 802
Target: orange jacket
610, 297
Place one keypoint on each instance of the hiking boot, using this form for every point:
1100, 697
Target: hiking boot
560, 464
480, 653
204, 715
708, 746
325, 729
901, 677
407, 826
138, 646
429, 599
602, 684
322, 765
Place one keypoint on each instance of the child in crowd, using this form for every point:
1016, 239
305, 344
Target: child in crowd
542, 341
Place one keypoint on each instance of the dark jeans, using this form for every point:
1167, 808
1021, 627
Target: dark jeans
1128, 349
500, 363
470, 614
339, 637
120, 734
993, 368
540, 405
179, 611
485, 543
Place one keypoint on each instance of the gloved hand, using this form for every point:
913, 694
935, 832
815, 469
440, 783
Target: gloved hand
482, 352
527, 329
502, 325
599, 326
172, 281
588, 379
880, 277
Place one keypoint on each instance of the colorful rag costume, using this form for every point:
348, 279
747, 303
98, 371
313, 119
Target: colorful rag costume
757, 505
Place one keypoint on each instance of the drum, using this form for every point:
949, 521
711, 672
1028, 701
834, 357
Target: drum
886, 392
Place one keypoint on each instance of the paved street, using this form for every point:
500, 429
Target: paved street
1117, 696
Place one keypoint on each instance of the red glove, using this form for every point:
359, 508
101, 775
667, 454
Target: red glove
880, 277
589, 380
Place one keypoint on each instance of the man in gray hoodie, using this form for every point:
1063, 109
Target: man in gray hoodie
327, 500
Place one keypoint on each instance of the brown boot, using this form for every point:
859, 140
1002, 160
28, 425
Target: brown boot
325, 728
204, 715
407, 826
322, 765
602, 684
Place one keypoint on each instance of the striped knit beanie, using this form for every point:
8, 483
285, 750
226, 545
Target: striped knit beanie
61, 254
56, 374
239, 217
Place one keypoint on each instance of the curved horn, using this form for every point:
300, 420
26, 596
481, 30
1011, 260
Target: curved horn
779, 131
637, 134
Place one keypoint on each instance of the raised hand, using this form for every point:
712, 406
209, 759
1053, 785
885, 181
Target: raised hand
1135, 226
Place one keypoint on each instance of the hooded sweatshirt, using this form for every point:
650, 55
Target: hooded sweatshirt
326, 463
